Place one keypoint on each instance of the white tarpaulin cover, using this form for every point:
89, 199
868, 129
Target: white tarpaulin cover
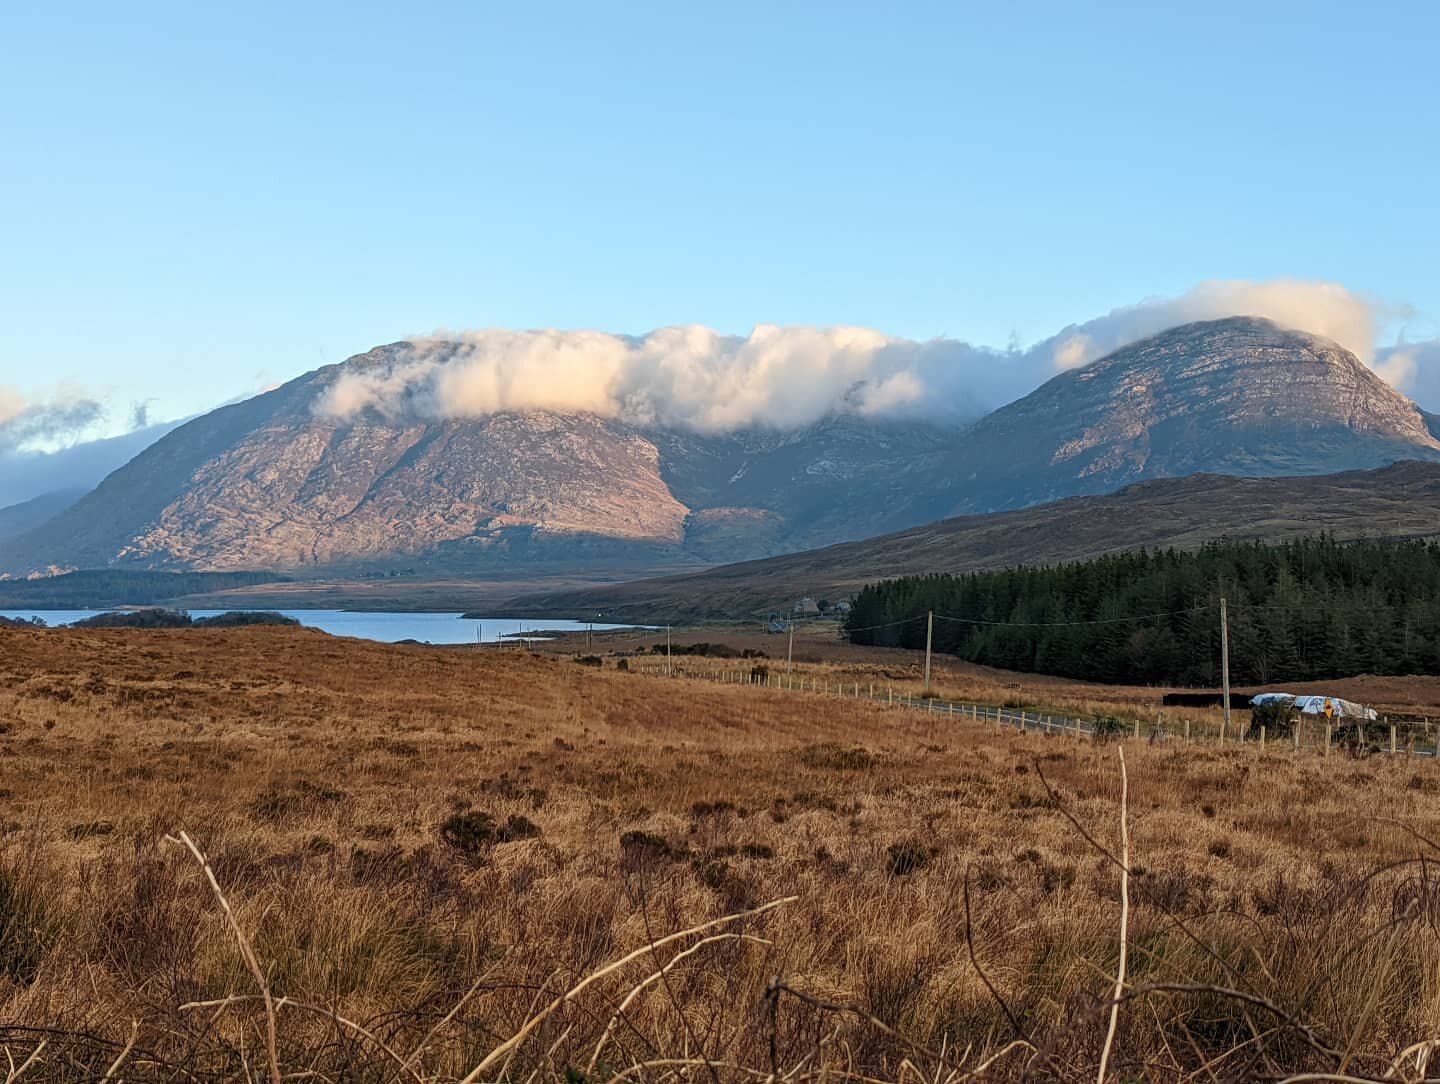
1315, 705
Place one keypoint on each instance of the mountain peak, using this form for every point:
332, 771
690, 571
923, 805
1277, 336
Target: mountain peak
1239, 396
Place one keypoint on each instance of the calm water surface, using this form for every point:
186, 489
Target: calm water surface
387, 628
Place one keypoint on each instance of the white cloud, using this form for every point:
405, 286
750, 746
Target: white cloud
1321, 308
786, 376
1398, 368
59, 419
1075, 351
685, 376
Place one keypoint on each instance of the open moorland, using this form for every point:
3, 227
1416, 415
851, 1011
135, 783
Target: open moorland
443, 865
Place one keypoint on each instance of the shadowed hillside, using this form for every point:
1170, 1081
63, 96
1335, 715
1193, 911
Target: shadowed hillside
1401, 501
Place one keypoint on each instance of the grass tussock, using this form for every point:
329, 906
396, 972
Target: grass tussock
408, 864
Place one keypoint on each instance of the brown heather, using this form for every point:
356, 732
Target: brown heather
425, 849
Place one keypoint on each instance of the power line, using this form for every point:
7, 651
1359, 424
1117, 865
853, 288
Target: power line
1066, 624
887, 625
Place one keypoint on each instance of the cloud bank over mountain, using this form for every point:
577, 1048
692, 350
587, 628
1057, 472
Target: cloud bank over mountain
781, 377
43, 447
60, 418
698, 378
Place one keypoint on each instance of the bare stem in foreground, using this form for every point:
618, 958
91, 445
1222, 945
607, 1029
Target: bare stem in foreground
1124, 918
246, 952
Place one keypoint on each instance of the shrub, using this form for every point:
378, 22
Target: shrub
906, 857
590, 660
239, 618
638, 844
828, 756
474, 833
137, 619
1277, 718
518, 827
1109, 728
301, 799
27, 924
735, 892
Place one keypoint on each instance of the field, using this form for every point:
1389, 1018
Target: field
425, 849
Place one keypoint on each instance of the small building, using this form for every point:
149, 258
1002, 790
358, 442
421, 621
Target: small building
806, 607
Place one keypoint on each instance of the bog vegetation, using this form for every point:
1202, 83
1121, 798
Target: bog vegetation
450, 865
1298, 611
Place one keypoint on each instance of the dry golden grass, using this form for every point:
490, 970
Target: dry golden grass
426, 848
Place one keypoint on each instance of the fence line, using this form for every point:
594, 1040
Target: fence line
761, 677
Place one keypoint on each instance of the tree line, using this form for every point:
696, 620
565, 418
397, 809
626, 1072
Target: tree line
100, 588
1309, 609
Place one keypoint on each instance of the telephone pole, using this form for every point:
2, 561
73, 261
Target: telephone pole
1224, 667
790, 651
929, 637
668, 670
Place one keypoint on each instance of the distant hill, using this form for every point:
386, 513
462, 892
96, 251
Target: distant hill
274, 483
17, 519
1402, 500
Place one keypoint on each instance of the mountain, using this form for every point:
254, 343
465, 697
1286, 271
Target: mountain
1401, 501
271, 483
1239, 396
25, 475
17, 519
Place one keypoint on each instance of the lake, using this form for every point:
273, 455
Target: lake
385, 627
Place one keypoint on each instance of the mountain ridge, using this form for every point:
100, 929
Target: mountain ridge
273, 482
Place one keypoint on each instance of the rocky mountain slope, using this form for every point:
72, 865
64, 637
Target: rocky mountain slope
1401, 501
272, 483
1239, 396
269, 483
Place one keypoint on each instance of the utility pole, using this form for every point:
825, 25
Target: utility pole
1224, 667
590, 636
790, 651
929, 637
668, 670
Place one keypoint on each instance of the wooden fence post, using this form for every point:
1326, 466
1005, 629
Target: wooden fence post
1392, 739
1262, 737
1187, 730
1327, 739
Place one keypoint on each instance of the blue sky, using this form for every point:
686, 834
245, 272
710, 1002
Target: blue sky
197, 201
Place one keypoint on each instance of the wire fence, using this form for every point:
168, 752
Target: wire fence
1305, 734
